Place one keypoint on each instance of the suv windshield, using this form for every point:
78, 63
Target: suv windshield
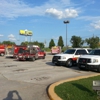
95, 52
69, 51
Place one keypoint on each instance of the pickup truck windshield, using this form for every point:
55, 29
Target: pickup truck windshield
95, 52
69, 51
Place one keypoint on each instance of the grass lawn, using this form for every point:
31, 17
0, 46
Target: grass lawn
77, 90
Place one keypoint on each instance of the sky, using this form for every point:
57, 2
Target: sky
45, 18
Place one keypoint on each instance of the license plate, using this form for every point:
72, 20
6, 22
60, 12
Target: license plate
83, 66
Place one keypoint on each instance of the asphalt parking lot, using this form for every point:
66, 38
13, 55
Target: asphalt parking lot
27, 80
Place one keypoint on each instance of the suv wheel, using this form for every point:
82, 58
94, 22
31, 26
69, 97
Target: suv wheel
69, 63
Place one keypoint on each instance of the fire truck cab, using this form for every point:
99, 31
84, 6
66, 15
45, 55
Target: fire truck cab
40, 53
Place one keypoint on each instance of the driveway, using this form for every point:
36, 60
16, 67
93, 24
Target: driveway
27, 80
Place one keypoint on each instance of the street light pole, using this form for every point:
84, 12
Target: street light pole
66, 22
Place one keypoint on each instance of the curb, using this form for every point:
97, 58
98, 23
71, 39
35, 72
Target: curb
54, 96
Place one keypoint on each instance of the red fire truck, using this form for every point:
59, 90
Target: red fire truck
27, 54
12, 50
55, 50
2, 50
31, 53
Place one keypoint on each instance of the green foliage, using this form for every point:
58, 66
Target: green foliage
60, 42
93, 42
24, 43
77, 90
64, 48
40, 44
47, 49
76, 41
51, 43
8, 43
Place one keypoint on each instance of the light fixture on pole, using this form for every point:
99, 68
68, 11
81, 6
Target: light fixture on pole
66, 22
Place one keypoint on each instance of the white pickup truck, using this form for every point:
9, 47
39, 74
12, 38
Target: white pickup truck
90, 61
69, 57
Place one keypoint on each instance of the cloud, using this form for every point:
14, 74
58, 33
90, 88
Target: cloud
16, 8
68, 13
96, 24
1, 35
55, 38
89, 18
11, 37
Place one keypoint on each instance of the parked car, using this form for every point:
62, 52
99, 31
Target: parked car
90, 61
69, 57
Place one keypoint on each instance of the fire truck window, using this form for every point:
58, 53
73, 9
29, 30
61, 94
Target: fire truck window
34, 50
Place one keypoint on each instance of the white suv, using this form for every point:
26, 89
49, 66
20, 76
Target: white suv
90, 61
69, 57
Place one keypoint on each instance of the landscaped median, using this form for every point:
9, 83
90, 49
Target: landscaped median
56, 88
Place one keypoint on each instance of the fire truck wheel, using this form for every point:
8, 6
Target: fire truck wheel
2, 54
33, 58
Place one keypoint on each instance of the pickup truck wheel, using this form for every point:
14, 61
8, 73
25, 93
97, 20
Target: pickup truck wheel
69, 63
2, 54
33, 59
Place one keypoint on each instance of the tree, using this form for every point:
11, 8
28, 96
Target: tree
40, 44
8, 43
35, 43
24, 43
76, 41
60, 42
93, 42
51, 43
